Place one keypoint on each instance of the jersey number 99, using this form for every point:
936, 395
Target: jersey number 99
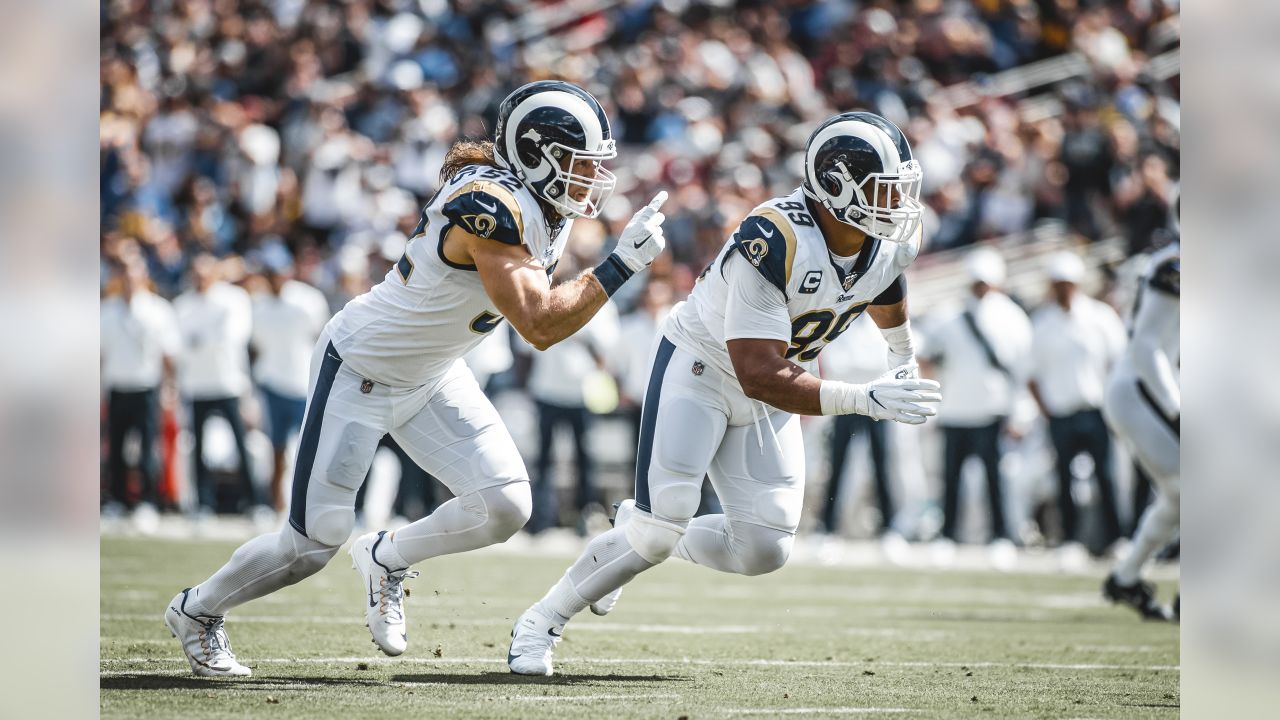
819, 325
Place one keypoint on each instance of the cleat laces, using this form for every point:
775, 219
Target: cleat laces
214, 640
391, 596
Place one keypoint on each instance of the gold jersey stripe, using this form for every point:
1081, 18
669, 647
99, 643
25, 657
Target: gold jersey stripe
504, 196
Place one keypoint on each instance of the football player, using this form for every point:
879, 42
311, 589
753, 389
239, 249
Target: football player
732, 374
390, 362
1143, 406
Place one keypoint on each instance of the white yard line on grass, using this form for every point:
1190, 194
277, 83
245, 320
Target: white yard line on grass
593, 698
814, 710
676, 661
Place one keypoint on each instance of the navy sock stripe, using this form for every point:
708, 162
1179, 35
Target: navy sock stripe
648, 417
1174, 424
310, 439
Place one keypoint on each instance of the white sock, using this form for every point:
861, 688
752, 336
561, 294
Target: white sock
707, 542
386, 554
1158, 527
607, 564
562, 602
259, 567
467, 522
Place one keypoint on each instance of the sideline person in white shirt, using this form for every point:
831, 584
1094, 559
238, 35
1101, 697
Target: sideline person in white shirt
980, 352
139, 342
857, 356
631, 356
1075, 342
288, 316
215, 318
557, 382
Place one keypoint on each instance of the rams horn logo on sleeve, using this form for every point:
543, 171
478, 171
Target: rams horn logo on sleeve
756, 250
482, 224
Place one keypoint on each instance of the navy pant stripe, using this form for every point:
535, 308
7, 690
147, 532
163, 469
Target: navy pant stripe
648, 416
310, 438
1174, 424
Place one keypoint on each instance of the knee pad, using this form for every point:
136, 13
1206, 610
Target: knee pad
764, 549
779, 509
651, 538
330, 525
676, 500
508, 508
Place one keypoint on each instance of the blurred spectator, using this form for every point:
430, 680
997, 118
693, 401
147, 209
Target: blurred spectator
630, 358
857, 356
558, 382
223, 124
139, 343
287, 318
1075, 341
215, 318
1087, 158
980, 352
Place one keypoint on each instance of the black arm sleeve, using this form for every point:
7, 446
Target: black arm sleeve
893, 294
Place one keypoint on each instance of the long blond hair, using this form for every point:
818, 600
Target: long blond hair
464, 153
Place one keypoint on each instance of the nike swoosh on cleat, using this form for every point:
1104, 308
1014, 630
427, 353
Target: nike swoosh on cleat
512, 658
552, 632
494, 208
371, 602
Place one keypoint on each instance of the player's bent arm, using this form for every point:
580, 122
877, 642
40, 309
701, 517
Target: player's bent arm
1155, 324
522, 292
766, 375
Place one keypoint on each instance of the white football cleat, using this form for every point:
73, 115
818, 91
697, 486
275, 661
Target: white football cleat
204, 641
605, 605
533, 640
385, 592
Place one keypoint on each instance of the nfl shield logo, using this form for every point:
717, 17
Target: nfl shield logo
848, 281
366, 387
698, 367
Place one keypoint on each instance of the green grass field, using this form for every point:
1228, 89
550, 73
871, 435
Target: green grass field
684, 642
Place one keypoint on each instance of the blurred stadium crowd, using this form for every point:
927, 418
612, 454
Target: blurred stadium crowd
251, 148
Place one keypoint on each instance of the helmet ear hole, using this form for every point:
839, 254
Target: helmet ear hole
528, 153
829, 182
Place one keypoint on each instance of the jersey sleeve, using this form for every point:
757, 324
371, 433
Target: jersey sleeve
768, 242
894, 294
488, 210
1167, 277
755, 307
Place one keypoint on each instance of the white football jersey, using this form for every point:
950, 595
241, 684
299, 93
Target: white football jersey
429, 311
1164, 274
782, 242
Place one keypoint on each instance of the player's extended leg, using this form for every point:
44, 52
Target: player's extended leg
761, 488
459, 438
1154, 441
681, 429
335, 450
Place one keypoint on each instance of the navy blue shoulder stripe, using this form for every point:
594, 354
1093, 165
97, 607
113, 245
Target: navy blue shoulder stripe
769, 244
1167, 277
485, 213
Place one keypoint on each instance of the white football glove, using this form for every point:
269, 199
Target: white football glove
904, 366
896, 396
641, 240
